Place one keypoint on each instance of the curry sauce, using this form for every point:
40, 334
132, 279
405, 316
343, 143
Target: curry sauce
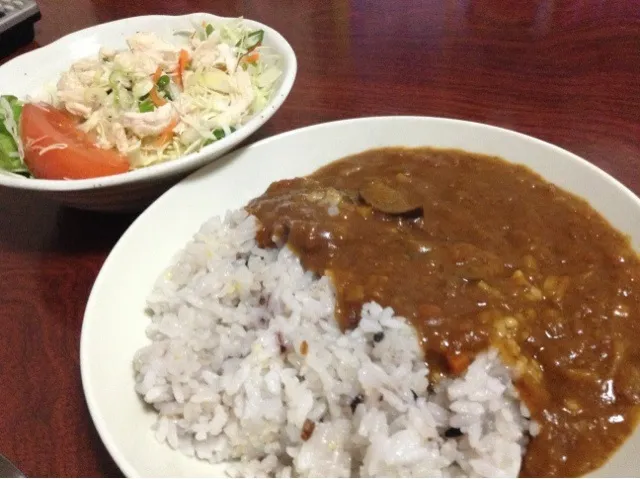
477, 252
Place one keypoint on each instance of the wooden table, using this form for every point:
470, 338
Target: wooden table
566, 71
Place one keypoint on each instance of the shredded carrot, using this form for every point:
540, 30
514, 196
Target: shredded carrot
153, 94
155, 98
458, 362
183, 60
157, 75
252, 58
167, 133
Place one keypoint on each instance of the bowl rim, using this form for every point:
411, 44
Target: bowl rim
182, 164
99, 421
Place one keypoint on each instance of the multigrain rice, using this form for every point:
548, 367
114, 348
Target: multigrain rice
246, 365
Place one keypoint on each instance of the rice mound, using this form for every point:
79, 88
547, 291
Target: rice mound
247, 365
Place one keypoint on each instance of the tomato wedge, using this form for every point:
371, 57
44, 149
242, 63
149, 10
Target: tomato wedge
55, 149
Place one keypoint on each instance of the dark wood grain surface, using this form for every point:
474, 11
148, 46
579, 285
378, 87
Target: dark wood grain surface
566, 71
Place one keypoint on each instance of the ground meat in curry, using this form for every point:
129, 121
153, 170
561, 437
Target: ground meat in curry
479, 252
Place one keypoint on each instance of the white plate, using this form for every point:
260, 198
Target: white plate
29, 73
114, 321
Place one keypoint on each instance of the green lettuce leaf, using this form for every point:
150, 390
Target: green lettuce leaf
10, 150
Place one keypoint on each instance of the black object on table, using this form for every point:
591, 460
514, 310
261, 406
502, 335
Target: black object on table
17, 18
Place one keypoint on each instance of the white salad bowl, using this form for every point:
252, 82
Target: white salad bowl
29, 73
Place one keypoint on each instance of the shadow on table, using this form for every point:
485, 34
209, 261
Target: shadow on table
31, 222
